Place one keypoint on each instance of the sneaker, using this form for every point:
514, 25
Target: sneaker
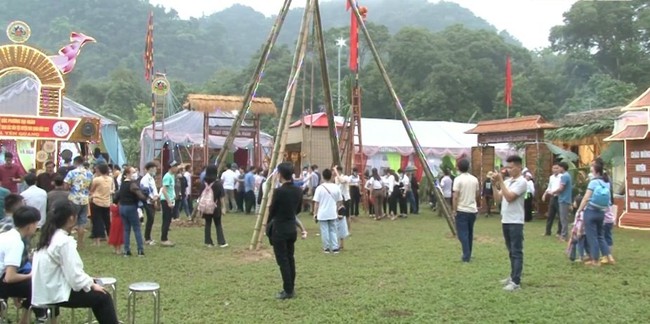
167, 243
327, 251
150, 242
336, 251
209, 245
127, 254
512, 287
506, 281
141, 253
224, 245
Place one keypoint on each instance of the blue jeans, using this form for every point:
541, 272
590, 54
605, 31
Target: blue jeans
513, 235
130, 219
595, 232
410, 197
578, 248
609, 239
465, 229
328, 234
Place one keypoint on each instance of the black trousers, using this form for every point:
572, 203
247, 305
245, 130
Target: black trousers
553, 211
22, 290
528, 209
403, 207
150, 212
239, 197
167, 214
216, 217
100, 215
284, 249
100, 303
355, 199
393, 199
249, 200
416, 196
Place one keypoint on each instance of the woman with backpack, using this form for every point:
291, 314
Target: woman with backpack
211, 205
596, 201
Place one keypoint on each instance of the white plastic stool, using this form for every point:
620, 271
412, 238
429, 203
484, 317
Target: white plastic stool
109, 284
144, 287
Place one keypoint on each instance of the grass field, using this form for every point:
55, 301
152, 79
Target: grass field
404, 271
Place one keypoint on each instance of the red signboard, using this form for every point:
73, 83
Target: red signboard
46, 128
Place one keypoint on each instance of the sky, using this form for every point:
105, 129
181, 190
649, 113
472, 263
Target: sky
527, 20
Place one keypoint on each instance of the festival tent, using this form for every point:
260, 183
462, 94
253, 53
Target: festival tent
186, 129
386, 144
20, 98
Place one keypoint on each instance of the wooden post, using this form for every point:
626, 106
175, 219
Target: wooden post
283, 125
252, 88
327, 92
400, 111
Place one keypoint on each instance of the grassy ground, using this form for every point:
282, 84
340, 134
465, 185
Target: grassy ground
406, 271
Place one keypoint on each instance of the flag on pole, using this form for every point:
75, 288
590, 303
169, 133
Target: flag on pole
508, 87
354, 39
148, 50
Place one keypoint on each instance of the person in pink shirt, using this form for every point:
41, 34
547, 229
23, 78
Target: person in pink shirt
10, 174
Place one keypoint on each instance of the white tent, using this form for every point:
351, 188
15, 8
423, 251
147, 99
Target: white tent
186, 128
383, 138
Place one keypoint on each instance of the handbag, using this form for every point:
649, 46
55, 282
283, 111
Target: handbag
341, 211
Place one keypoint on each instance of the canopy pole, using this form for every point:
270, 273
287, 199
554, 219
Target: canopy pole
283, 126
255, 82
399, 109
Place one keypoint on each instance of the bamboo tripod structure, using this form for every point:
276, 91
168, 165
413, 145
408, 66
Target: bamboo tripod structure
312, 11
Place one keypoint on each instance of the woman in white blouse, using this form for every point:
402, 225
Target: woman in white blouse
58, 276
378, 193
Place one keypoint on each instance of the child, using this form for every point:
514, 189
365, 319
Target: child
577, 241
116, 236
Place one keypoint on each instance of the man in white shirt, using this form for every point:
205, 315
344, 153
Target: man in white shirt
149, 188
466, 191
553, 205
327, 200
229, 181
14, 267
512, 193
35, 197
446, 184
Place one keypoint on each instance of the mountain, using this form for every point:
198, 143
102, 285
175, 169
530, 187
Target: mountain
194, 50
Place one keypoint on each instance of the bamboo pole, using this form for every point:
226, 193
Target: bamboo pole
255, 82
407, 124
283, 125
327, 91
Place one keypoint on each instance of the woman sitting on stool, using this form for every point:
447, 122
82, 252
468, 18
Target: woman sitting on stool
58, 277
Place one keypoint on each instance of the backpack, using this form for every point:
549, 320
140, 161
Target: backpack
601, 195
207, 205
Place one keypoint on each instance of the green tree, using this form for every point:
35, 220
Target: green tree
602, 91
131, 129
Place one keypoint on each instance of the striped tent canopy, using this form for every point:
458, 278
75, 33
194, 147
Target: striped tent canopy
213, 103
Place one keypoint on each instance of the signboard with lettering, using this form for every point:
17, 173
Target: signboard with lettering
638, 177
244, 131
42, 128
512, 137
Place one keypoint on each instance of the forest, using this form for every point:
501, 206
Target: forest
446, 63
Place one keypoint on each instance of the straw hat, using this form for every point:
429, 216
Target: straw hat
490, 174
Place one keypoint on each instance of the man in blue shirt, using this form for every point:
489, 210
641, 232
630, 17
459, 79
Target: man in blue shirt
249, 189
564, 193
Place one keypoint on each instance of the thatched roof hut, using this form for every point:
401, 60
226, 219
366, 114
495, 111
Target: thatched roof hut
584, 132
584, 124
212, 103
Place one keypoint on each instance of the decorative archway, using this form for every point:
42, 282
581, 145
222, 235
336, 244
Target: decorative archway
18, 57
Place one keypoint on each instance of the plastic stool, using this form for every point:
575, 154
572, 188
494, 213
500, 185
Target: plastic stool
109, 284
144, 287
50, 312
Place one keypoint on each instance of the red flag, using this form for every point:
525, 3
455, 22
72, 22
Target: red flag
354, 39
508, 88
148, 50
